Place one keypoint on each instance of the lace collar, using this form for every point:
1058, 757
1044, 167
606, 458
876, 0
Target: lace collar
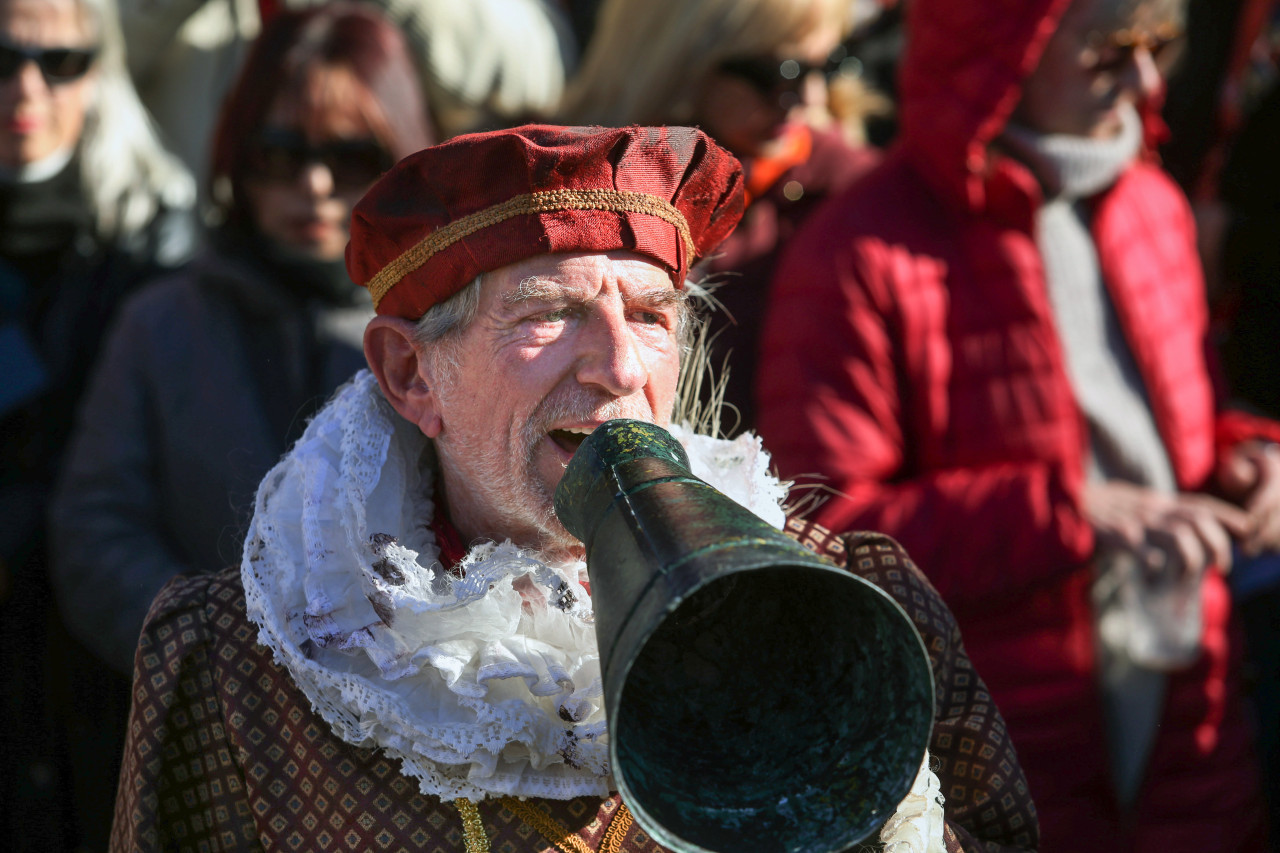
484, 685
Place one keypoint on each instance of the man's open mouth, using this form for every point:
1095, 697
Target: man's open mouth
569, 439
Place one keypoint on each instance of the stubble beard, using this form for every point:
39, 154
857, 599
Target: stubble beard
507, 481
539, 501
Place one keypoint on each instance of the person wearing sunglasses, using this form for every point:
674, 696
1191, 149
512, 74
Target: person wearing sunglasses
768, 80
91, 205
211, 372
995, 348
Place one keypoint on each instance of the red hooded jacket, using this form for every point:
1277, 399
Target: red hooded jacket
910, 363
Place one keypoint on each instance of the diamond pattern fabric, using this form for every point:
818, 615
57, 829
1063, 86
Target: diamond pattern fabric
225, 754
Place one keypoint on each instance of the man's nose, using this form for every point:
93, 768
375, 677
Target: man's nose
612, 358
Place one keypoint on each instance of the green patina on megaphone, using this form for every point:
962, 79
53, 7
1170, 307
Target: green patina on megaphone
758, 697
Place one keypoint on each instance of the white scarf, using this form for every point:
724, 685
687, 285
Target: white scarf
1076, 167
480, 688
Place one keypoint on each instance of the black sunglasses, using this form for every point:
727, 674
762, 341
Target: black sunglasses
57, 64
281, 155
771, 75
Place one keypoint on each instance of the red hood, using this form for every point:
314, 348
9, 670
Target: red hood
960, 79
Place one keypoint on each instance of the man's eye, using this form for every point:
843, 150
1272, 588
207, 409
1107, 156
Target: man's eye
553, 316
651, 318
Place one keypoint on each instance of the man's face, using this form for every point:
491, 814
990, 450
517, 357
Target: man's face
560, 344
1105, 54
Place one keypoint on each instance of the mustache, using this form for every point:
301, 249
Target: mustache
584, 405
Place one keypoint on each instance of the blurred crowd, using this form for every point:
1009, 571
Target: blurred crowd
1007, 288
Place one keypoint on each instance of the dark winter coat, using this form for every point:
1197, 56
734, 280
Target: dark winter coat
204, 381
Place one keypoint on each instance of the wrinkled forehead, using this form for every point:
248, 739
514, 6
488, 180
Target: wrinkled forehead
1105, 16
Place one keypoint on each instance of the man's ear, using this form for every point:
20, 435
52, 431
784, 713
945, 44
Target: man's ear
397, 362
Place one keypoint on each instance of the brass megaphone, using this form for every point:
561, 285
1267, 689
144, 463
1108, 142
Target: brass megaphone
758, 697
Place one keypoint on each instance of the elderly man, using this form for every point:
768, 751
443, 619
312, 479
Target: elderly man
994, 350
425, 673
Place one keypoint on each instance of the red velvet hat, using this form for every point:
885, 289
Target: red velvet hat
481, 201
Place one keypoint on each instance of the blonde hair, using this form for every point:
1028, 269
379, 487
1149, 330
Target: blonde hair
127, 173
647, 58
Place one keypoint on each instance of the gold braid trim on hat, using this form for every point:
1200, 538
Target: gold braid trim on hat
546, 201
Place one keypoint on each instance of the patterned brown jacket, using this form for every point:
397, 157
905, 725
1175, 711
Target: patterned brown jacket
224, 753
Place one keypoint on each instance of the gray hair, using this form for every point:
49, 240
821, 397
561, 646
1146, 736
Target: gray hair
450, 317
127, 172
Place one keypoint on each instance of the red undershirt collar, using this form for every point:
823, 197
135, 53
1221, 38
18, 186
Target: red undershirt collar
449, 539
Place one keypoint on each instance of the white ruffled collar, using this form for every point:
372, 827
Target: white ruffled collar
479, 690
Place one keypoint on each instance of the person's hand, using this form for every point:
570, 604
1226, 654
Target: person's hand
1172, 534
1251, 475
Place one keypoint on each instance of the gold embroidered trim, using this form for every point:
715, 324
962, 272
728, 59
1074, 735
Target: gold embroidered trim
473, 834
612, 841
546, 201
550, 828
